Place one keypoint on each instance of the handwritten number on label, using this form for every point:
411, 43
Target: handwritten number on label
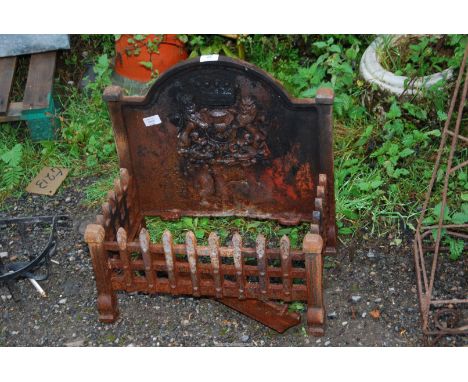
42, 183
50, 176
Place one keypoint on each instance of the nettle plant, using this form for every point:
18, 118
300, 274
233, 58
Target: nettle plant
213, 44
458, 216
86, 127
401, 138
335, 67
418, 56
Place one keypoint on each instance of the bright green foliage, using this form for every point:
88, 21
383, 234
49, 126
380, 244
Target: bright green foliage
459, 216
297, 306
417, 56
225, 228
10, 166
384, 146
209, 44
85, 143
86, 126
333, 63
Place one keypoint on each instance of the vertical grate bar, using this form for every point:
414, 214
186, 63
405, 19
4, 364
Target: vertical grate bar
261, 264
122, 241
168, 247
149, 270
213, 242
191, 248
239, 263
312, 247
285, 246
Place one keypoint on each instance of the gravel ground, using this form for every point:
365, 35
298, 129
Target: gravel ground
368, 277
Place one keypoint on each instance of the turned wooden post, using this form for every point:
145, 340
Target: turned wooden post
312, 247
107, 299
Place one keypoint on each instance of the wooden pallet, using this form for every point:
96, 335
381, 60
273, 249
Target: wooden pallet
37, 107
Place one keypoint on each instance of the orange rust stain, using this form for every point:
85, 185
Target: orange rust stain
304, 181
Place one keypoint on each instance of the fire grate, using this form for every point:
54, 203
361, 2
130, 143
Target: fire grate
444, 312
218, 137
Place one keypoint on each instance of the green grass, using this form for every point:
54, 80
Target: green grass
85, 142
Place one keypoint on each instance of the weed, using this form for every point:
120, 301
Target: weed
418, 56
297, 306
225, 227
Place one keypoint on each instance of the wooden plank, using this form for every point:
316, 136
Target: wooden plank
7, 70
13, 113
40, 80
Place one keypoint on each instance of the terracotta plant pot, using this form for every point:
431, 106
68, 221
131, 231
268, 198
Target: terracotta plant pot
141, 57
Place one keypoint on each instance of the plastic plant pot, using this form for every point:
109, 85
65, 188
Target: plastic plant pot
141, 57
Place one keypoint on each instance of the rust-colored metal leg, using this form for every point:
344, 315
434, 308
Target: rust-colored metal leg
269, 313
106, 300
312, 246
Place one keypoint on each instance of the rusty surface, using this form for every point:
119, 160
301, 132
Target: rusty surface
448, 315
228, 141
256, 277
273, 315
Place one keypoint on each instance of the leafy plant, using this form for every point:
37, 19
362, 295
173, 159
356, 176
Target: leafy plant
10, 167
417, 56
297, 306
142, 41
86, 125
225, 228
209, 44
85, 141
459, 216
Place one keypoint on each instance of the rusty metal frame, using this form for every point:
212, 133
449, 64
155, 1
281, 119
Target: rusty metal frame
271, 130
124, 259
441, 316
